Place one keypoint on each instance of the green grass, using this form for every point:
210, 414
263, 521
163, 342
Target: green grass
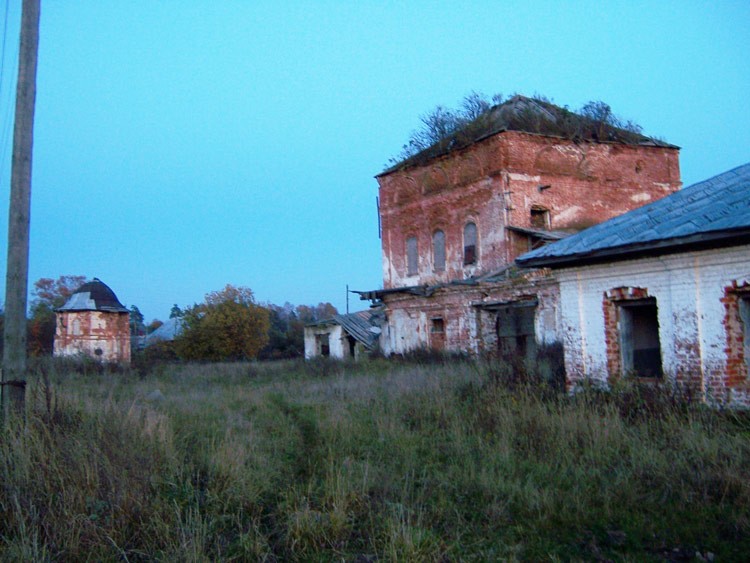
393, 461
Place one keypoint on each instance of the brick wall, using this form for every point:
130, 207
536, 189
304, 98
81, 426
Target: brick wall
468, 325
100, 335
496, 182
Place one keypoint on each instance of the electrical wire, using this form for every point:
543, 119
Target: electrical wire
6, 95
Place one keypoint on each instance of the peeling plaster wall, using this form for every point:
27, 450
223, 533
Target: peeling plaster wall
100, 335
495, 183
336, 341
693, 292
468, 327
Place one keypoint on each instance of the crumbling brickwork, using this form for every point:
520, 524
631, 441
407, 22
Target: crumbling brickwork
701, 332
468, 214
737, 331
610, 311
104, 336
511, 179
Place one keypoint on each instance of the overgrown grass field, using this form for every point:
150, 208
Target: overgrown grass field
377, 461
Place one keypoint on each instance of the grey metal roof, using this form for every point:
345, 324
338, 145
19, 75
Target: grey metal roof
715, 212
94, 296
171, 329
363, 326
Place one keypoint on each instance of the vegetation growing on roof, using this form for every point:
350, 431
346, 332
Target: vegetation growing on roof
444, 130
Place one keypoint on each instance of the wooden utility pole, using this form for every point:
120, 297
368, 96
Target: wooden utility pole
17, 275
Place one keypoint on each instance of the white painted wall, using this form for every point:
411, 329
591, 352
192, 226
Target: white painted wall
406, 331
688, 288
336, 340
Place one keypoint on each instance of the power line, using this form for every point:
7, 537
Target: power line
8, 103
2, 53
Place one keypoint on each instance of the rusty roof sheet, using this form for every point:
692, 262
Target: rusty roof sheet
715, 212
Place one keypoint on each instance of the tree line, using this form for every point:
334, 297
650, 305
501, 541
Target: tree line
228, 324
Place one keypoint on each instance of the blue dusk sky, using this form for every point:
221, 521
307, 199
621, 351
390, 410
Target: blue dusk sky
184, 145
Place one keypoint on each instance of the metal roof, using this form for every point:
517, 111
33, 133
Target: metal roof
364, 326
715, 212
94, 296
543, 234
168, 331
495, 276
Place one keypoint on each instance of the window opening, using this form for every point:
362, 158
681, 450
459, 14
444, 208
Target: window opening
470, 244
438, 250
515, 330
412, 258
639, 338
323, 344
540, 217
352, 343
437, 333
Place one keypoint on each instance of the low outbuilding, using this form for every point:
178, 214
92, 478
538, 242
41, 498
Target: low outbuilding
344, 336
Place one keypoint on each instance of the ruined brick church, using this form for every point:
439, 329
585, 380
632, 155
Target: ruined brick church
455, 216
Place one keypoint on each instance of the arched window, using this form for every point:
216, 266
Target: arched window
470, 244
438, 250
412, 258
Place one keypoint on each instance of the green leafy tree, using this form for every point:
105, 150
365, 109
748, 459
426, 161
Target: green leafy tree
176, 312
286, 333
48, 294
229, 325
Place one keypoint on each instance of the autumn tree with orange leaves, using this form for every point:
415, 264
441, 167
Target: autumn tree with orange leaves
48, 294
228, 325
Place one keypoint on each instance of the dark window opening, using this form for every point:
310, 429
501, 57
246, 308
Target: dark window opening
639, 338
352, 345
412, 258
470, 244
438, 325
515, 330
540, 218
438, 251
323, 344
744, 304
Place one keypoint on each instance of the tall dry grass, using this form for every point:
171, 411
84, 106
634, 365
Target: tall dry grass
428, 460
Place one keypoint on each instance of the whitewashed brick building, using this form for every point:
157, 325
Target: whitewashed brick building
661, 293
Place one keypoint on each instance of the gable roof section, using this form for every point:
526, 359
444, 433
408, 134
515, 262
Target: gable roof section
715, 212
527, 115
